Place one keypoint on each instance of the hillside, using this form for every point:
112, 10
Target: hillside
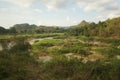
25, 27
108, 28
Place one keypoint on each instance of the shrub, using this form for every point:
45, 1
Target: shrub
48, 42
18, 66
62, 50
110, 51
62, 68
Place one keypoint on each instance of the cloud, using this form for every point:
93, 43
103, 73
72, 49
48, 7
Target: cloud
106, 8
67, 18
114, 14
57, 4
97, 5
39, 23
109, 8
100, 17
39, 10
87, 5
22, 3
75, 22
3, 9
51, 4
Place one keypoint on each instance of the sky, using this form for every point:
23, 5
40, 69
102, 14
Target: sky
56, 12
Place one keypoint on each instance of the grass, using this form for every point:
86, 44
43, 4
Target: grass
31, 35
46, 35
63, 47
5, 36
111, 52
23, 66
44, 44
49, 42
62, 68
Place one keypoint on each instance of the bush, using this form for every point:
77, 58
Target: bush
110, 51
113, 42
48, 42
61, 68
41, 46
18, 66
24, 67
81, 51
62, 50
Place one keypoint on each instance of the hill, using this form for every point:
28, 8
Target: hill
108, 28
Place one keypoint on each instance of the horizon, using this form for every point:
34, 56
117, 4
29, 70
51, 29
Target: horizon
53, 25
56, 12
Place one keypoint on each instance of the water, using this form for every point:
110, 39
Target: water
38, 39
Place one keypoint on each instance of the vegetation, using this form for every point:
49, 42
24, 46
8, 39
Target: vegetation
61, 68
22, 67
26, 28
87, 51
108, 28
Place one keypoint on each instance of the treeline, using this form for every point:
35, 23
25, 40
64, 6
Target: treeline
27, 28
108, 28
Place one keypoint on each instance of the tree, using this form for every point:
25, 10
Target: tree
2, 30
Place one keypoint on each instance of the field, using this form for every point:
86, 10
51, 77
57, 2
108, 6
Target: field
59, 57
59, 39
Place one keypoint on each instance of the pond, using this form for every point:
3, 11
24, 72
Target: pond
38, 39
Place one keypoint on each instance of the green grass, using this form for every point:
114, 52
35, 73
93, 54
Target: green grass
113, 42
5, 36
57, 51
44, 44
62, 68
17, 64
65, 47
46, 35
71, 47
32, 35
49, 42
109, 51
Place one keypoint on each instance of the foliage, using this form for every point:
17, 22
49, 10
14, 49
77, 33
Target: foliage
62, 68
113, 42
17, 63
41, 46
18, 66
2, 30
110, 51
49, 42
108, 28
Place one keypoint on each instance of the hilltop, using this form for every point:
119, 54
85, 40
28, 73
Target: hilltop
108, 28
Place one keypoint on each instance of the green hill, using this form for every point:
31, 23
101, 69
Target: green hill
108, 28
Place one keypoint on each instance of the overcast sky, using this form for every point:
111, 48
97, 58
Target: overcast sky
56, 12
